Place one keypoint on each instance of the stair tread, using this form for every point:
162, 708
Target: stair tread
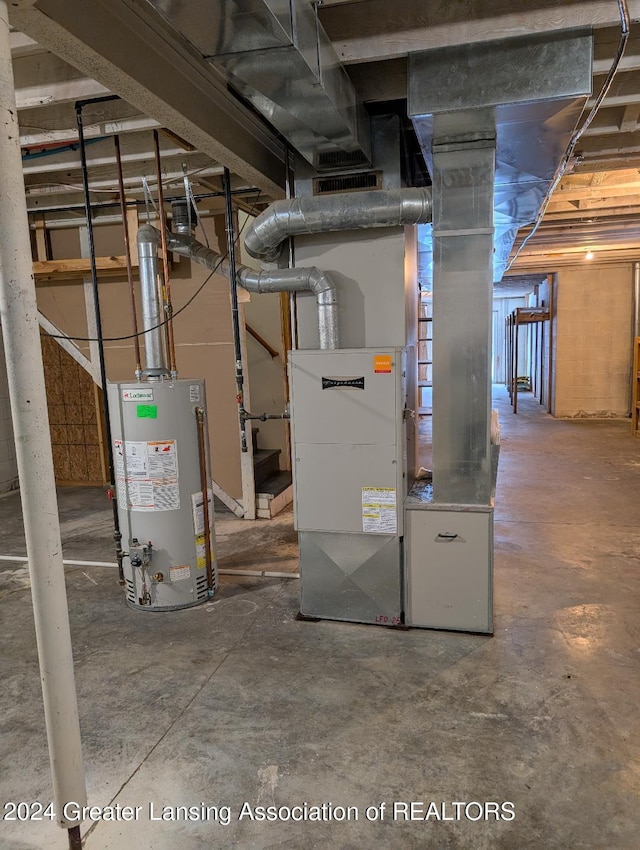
263, 455
275, 484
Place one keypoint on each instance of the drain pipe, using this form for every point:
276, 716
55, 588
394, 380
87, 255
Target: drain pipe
342, 211
235, 314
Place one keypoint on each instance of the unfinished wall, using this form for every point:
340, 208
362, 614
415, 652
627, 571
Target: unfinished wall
267, 374
75, 418
8, 467
204, 344
593, 341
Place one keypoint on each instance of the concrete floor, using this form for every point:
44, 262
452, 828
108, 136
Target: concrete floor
236, 701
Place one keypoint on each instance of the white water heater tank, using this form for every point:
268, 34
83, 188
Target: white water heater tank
157, 448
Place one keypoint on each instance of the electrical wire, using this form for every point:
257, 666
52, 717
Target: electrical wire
625, 26
175, 313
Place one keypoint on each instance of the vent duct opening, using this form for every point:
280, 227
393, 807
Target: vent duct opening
347, 183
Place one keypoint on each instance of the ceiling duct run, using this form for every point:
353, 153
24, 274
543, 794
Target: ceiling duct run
528, 93
277, 56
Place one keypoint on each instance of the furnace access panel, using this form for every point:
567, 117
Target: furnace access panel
348, 440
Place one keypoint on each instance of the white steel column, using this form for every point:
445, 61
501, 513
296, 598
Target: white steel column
19, 316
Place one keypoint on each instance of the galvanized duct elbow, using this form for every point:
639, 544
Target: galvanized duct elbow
300, 280
188, 246
148, 240
278, 280
344, 211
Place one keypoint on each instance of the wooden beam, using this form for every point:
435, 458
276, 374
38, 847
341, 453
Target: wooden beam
608, 121
30, 136
132, 227
42, 253
573, 194
625, 89
46, 80
52, 270
376, 29
604, 49
607, 207
630, 117
128, 49
22, 45
380, 81
549, 262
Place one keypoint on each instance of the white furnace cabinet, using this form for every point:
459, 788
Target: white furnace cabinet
349, 450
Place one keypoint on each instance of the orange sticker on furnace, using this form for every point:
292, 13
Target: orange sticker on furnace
382, 363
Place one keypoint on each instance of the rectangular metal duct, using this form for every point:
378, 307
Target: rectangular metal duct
277, 56
536, 88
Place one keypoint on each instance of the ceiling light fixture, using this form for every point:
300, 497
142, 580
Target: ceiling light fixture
589, 255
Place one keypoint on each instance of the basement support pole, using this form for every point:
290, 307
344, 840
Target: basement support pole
21, 333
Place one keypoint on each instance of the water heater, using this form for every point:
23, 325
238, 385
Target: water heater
161, 460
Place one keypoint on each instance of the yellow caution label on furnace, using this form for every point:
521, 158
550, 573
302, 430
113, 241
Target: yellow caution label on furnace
382, 363
379, 510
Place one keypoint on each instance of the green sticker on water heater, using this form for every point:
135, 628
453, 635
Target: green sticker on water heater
147, 411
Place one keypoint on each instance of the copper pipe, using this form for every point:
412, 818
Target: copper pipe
127, 251
171, 350
205, 497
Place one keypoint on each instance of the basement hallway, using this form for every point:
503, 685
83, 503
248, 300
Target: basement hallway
237, 705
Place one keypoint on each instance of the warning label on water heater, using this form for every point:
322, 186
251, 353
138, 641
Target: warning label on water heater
147, 475
379, 513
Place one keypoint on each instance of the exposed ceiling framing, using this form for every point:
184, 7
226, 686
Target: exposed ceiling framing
63, 54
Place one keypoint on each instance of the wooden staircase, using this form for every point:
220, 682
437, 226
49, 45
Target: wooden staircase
274, 488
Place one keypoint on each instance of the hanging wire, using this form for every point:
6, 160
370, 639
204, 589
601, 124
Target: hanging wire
625, 25
176, 312
148, 200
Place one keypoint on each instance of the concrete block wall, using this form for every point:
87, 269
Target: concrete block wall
593, 342
8, 467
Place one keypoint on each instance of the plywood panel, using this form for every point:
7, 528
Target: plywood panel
72, 417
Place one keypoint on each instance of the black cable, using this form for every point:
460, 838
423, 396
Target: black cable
117, 535
164, 322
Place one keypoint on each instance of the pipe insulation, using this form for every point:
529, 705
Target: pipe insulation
342, 211
276, 280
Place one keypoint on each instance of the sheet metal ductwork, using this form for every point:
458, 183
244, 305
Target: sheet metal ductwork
279, 280
148, 240
530, 90
345, 211
277, 56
